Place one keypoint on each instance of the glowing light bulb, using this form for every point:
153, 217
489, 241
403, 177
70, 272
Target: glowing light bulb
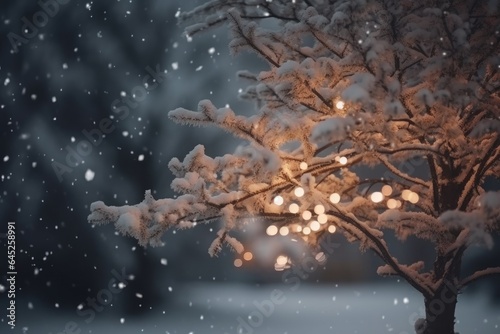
343, 160
306, 215
392, 203
278, 200
238, 263
306, 230
319, 209
283, 230
248, 256
315, 226
293, 208
271, 230
377, 197
334, 198
299, 192
332, 229
340, 104
386, 190
322, 218
303, 165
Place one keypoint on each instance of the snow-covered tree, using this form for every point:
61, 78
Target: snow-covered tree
372, 115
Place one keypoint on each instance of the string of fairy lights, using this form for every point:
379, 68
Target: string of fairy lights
315, 219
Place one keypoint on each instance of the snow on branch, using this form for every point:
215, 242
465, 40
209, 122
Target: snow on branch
370, 116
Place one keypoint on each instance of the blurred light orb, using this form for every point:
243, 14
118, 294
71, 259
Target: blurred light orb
322, 218
377, 197
283, 230
315, 225
299, 192
281, 260
334, 198
386, 190
392, 203
248, 256
278, 200
293, 208
413, 198
340, 104
271, 230
319, 209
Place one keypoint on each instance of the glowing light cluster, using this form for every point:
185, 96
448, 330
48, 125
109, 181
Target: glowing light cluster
393, 203
410, 196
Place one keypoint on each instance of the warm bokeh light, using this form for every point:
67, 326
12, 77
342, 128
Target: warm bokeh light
334, 198
299, 192
281, 260
248, 256
306, 215
298, 228
322, 218
340, 104
319, 209
343, 160
377, 197
283, 230
271, 230
392, 203
303, 165
238, 263
315, 226
406, 194
386, 190
278, 200
293, 208
332, 229
413, 198
306, 230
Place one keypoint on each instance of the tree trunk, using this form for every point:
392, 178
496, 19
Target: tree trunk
440, 311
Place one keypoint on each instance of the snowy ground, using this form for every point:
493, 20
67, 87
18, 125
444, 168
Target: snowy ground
216, 308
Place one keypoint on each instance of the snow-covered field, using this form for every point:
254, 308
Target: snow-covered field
225, 308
